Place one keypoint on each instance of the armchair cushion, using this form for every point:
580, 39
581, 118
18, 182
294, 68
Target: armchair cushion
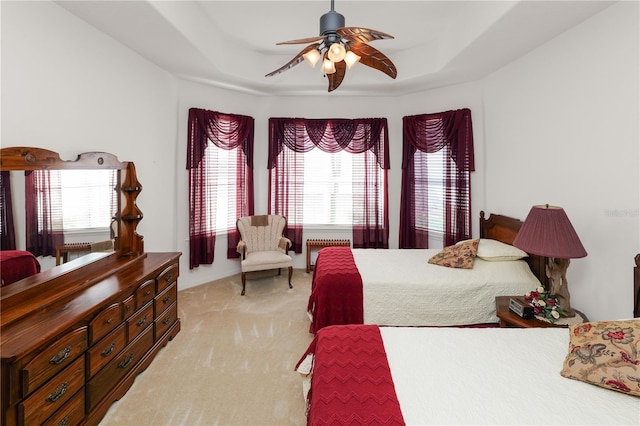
261, 260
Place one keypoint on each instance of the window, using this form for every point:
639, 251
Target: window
91, 204
330, 173
429, 190
88, 198
220, 164
222, 167
436, 185
330, 180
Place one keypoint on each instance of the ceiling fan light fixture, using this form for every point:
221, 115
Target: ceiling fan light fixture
337, 52
312, 57
328, 67
351, 58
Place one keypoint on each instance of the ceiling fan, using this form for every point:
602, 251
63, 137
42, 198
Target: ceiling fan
340, 47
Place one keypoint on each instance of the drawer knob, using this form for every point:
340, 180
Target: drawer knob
109, 321
167, 320
142, 321
58, 392
148, 292
64, 422
168, 278
125, 363
166, 298
61, 356
109, 349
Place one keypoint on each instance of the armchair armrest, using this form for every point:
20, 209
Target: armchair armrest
284, 244
241, 249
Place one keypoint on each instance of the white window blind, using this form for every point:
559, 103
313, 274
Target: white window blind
429, 190
222, 169
83, 199
333, 182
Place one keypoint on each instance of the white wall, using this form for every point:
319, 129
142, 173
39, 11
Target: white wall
562, 128
69, 88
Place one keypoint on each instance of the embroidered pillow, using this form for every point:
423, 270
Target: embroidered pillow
461, 255
605, 354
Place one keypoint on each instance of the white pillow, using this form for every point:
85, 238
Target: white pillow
496, 251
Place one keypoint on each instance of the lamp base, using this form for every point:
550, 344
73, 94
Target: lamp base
557, 272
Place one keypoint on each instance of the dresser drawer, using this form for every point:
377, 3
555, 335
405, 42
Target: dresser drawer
164, 321
113, 372
104, 322
141, 320
53, 394
129, 306
53, 359
106, 349
70, 414
167, 277
165, 299
145, 293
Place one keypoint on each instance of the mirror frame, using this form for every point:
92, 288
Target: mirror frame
128, 242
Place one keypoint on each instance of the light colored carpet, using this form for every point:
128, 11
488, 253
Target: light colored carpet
232, 362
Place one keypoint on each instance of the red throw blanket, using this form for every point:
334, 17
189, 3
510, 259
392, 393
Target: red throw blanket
351, 382
16, 265
336, 290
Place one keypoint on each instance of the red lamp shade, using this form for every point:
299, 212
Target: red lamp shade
548, 232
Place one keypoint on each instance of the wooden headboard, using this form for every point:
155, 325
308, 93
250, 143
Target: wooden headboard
505, 229
636, 288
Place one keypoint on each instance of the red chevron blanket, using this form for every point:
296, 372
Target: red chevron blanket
351, 383
336, 290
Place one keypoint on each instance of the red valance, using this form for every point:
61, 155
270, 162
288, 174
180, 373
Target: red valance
330, 135
431, 132
226, 131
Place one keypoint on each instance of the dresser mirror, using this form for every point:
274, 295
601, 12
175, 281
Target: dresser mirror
97, 193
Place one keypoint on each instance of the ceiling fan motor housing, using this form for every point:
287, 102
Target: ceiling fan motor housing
330, 22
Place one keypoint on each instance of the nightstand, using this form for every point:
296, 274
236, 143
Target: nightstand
509, 319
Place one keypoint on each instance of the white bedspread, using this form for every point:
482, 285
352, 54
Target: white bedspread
495, 376
401, 288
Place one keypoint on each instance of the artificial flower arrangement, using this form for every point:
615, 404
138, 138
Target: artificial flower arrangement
544, 304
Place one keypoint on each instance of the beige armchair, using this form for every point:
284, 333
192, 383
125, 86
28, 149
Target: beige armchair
262, 245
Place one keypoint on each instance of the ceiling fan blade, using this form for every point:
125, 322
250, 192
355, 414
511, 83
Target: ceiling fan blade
302, 40
372, 57
336, 78
361, 35
295, 61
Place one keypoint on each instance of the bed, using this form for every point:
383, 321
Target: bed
587, 374
365, 374
400, 288
16, 265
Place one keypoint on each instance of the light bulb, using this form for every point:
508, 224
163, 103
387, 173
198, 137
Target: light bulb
312, 57
328, 67
351, 58
336, 52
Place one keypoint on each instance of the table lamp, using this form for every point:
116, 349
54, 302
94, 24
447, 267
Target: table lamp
548, 232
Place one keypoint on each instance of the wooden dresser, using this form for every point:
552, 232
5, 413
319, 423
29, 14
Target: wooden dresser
73, 339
